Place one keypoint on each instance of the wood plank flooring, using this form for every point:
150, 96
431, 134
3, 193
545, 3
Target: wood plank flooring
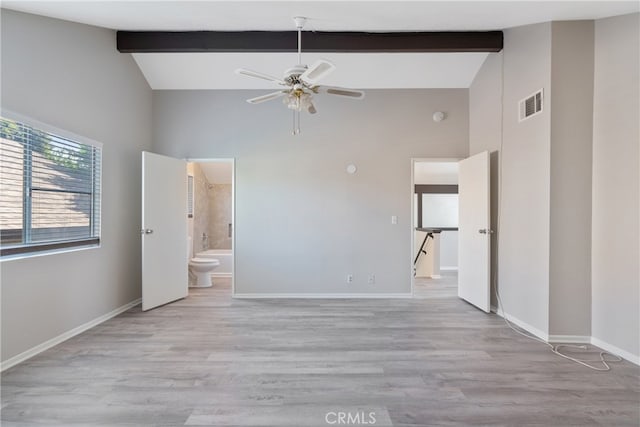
213, 361
445, 287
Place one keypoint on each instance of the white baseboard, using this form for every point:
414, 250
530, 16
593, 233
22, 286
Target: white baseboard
214, 275
524, 325
570, 339
65, 336
435, 276
448, 268
321, 296
610, 348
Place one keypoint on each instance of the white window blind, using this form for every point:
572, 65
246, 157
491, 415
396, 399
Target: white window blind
49, 190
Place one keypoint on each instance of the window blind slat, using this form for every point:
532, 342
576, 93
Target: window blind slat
49, 189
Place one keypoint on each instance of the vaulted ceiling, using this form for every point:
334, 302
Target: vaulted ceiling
358, 70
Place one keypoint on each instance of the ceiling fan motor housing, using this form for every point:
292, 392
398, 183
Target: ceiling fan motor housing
292, 75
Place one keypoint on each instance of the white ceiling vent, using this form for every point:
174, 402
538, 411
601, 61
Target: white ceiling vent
531, 105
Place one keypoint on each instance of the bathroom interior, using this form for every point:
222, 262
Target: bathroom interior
210, 224
435, 206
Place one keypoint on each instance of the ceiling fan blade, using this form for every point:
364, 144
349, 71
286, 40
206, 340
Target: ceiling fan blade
255, 74
267, 97
317, 71
339, 91
312, 109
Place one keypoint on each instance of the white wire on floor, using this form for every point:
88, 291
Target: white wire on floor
554, 348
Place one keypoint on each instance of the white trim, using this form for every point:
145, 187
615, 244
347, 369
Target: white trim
65, 336
570, 339
524, 325
7, 258
320, 296
610, 348
221, 275
448, 268
435, 276
45, 127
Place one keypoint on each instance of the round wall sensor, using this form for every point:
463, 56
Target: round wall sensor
438, 116
351, 168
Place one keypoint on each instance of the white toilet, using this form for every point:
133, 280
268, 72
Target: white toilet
201, 268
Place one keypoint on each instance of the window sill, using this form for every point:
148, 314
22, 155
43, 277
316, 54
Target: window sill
49, 249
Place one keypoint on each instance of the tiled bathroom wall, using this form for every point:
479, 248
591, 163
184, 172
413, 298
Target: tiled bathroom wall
201, 214
220, 216
211, 214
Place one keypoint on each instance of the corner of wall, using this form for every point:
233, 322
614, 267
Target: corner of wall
571, 99
615, 310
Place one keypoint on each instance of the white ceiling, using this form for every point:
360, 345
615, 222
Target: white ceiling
324, 15
363, 71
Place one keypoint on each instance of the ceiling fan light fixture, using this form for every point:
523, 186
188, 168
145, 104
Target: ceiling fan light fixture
298, 101
300, 83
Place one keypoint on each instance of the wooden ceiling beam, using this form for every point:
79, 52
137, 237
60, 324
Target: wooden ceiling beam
286, 41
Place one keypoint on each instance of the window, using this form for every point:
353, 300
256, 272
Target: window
439, 210
435, 206
49, 189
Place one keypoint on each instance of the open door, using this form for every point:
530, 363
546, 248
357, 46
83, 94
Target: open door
164, 230
474, 231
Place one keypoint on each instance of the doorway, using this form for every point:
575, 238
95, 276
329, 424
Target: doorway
211, 226
434, 237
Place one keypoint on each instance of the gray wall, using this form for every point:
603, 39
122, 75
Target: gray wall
302, 222
615, 232
570, 176
571, 136
523, 278
71, 76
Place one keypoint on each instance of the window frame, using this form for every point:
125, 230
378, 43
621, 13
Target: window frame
45, 248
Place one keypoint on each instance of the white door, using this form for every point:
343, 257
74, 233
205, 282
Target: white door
164, 230
474, 232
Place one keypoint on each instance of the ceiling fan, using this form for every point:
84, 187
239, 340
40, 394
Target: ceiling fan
300, 83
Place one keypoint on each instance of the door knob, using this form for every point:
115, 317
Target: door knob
146, 231
485, 231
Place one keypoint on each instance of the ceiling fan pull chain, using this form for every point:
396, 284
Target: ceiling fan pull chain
296, 122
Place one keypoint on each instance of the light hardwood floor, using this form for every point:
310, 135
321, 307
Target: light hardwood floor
445, 287
210, 360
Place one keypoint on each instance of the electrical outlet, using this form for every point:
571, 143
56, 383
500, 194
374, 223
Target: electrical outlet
394, 219
349, 278
372, 279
